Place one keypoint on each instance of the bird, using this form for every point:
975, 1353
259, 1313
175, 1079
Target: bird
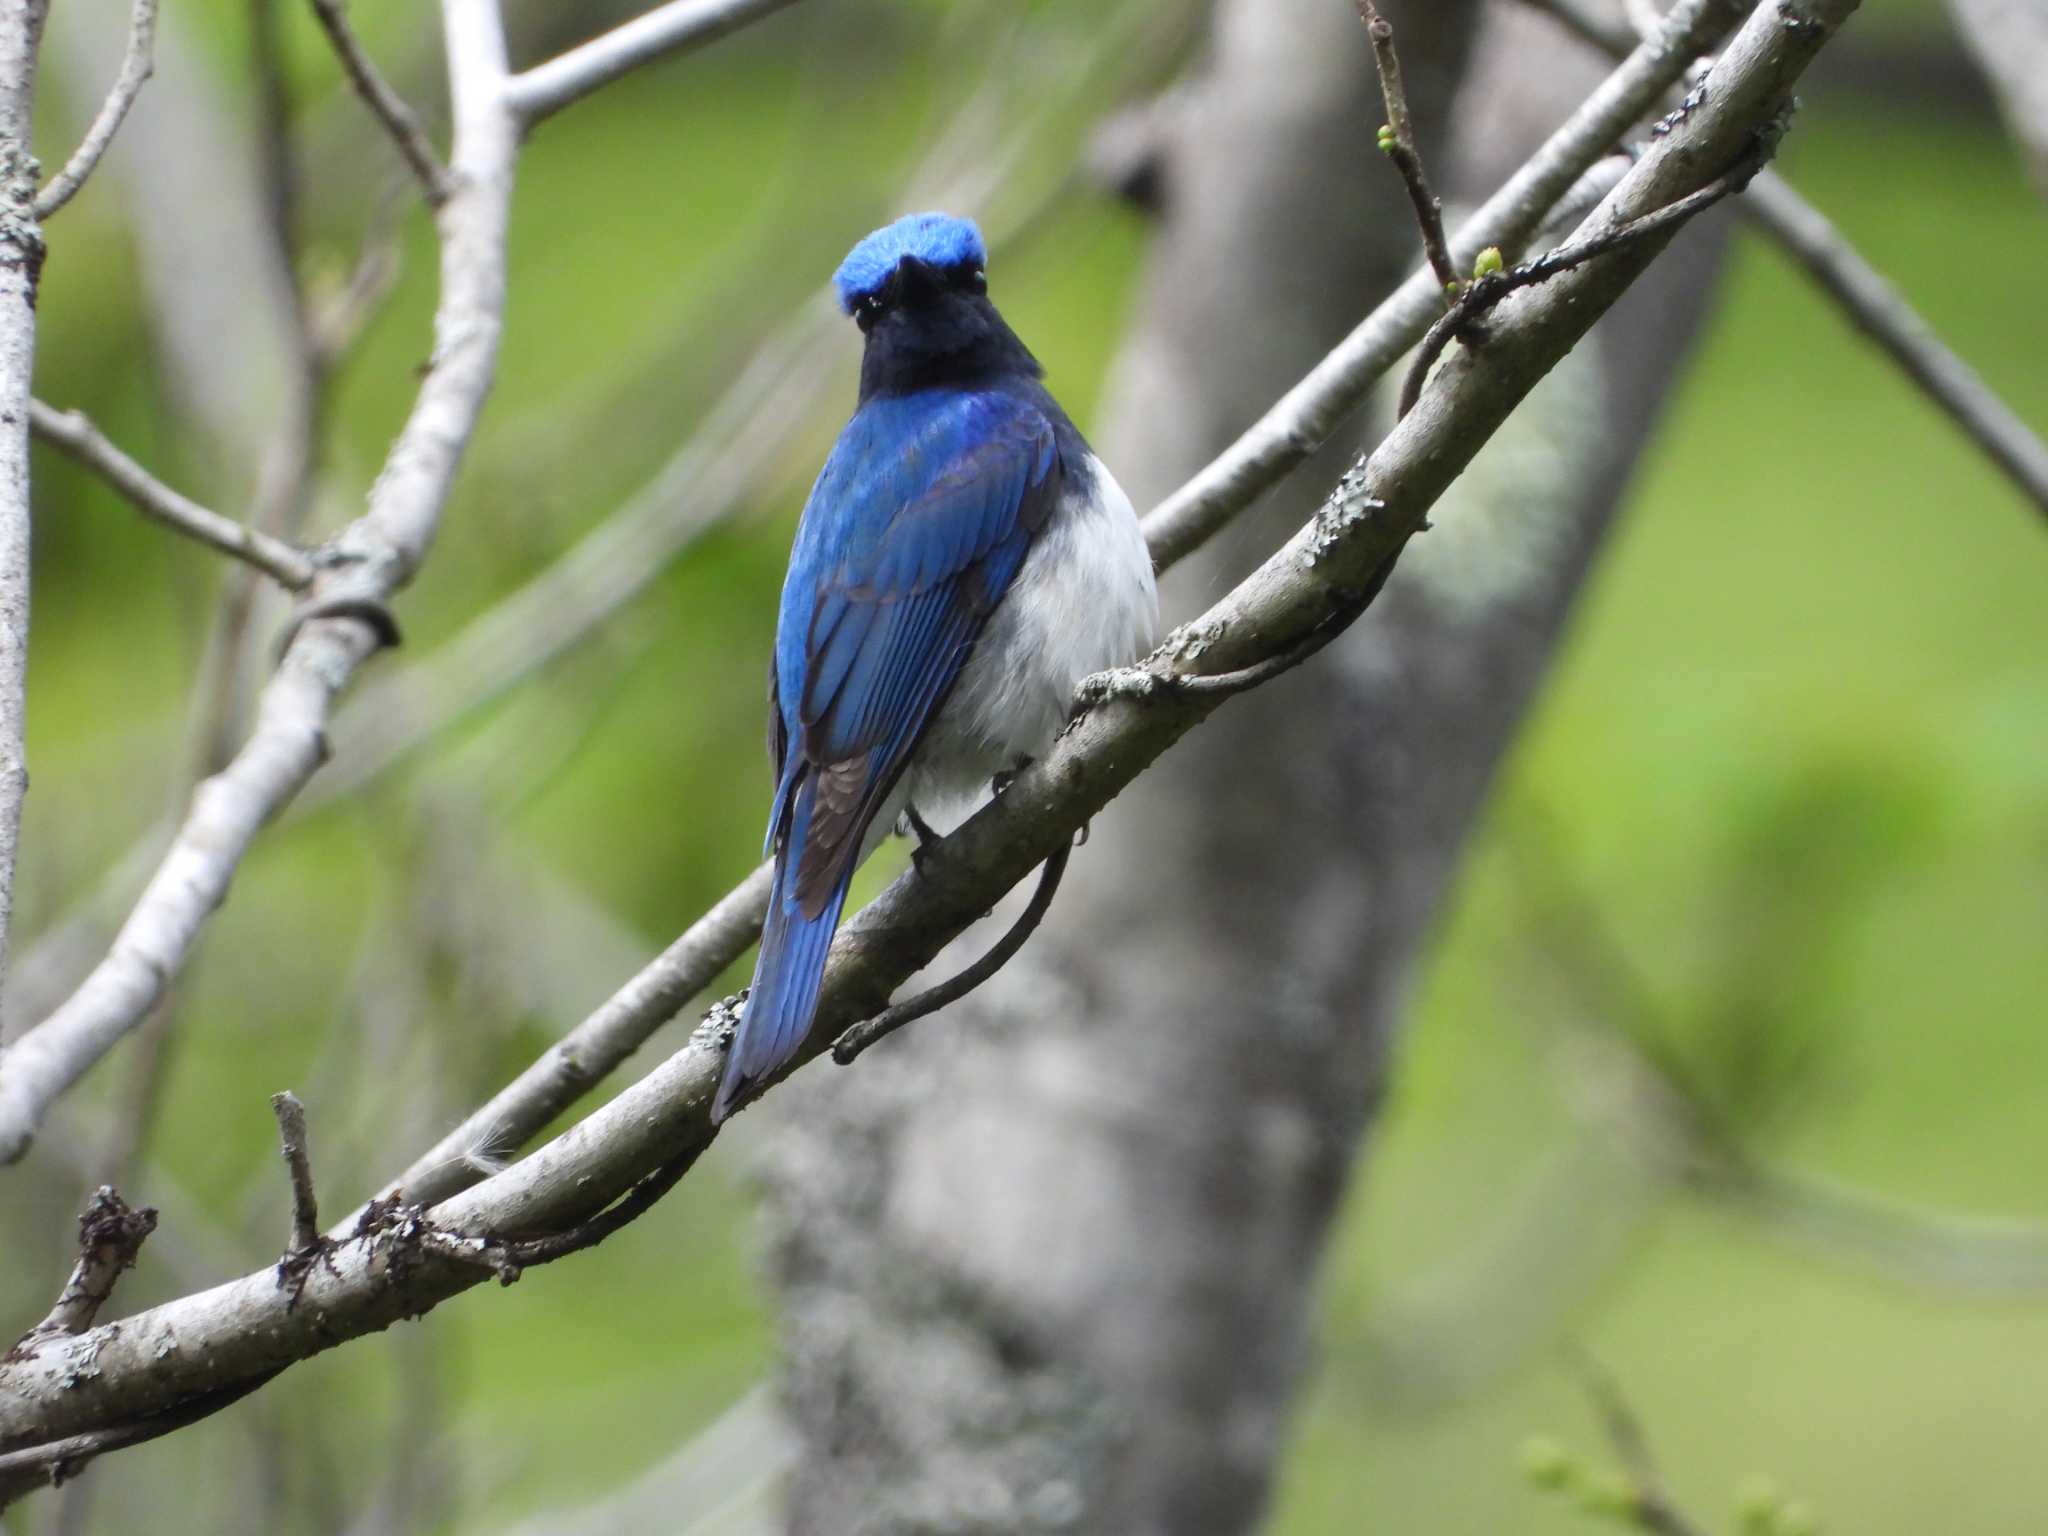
963, 561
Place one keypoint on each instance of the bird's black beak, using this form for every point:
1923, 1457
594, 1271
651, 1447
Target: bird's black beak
917, 280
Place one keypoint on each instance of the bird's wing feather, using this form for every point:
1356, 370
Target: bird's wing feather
914, 531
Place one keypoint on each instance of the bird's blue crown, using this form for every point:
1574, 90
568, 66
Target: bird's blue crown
938, 238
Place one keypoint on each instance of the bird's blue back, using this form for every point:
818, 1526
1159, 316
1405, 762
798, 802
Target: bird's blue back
915, 529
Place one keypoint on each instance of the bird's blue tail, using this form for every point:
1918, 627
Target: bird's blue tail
784, 993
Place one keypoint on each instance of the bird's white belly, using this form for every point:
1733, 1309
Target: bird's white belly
1083, 601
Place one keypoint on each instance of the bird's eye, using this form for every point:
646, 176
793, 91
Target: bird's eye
867, 311
977, 281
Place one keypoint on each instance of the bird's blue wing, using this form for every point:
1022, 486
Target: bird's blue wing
914, 531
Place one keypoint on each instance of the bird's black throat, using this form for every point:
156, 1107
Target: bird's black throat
931, 329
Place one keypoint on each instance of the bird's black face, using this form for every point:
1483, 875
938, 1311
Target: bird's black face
918, 292
929, 325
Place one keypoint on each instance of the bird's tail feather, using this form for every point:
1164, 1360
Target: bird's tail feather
784, 994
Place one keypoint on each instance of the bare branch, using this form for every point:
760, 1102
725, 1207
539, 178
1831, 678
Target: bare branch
291, 1135
1651, 1506
21, 264
1871, 304
1875, 308
75, 434
137, 65
160, 1359
1304, 418
854, 1041
385, 103
591, 1051
1489, 290
1398, 140
367, 562
681, 24
110, 1235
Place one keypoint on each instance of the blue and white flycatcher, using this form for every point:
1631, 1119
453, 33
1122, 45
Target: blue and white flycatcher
963, 561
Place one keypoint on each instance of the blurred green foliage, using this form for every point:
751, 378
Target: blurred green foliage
1794, 763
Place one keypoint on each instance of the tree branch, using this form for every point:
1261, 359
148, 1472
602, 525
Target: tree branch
1304, 418
1871, 304
681, 24
1398, 140
110, 1235
137, 65
160, 1359
385, 104
74, 433
366, 563
1876, 309
1484, 293
291, 1136
850, 1045
1650, 1507
21, 264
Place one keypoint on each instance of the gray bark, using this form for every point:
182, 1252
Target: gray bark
1049, 1267
21, 261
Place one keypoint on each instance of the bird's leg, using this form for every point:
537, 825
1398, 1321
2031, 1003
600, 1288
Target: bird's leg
910, 824
1001, 780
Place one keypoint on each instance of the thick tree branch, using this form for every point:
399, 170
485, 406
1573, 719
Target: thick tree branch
385, 104
21, 264
366, 563
681, 24
136, 67
158, 1360
74, 433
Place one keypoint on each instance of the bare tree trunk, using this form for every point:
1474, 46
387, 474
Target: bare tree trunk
1052, 1267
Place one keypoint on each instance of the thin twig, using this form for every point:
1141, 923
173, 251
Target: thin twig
1875, 308
386, 104
1303, 419
74, 433
1651, 1505
110, 1234
1871, 304
547, 88
1489, 290
1398, 140
507, 1259
866, 1033
291, 1136
137, 65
